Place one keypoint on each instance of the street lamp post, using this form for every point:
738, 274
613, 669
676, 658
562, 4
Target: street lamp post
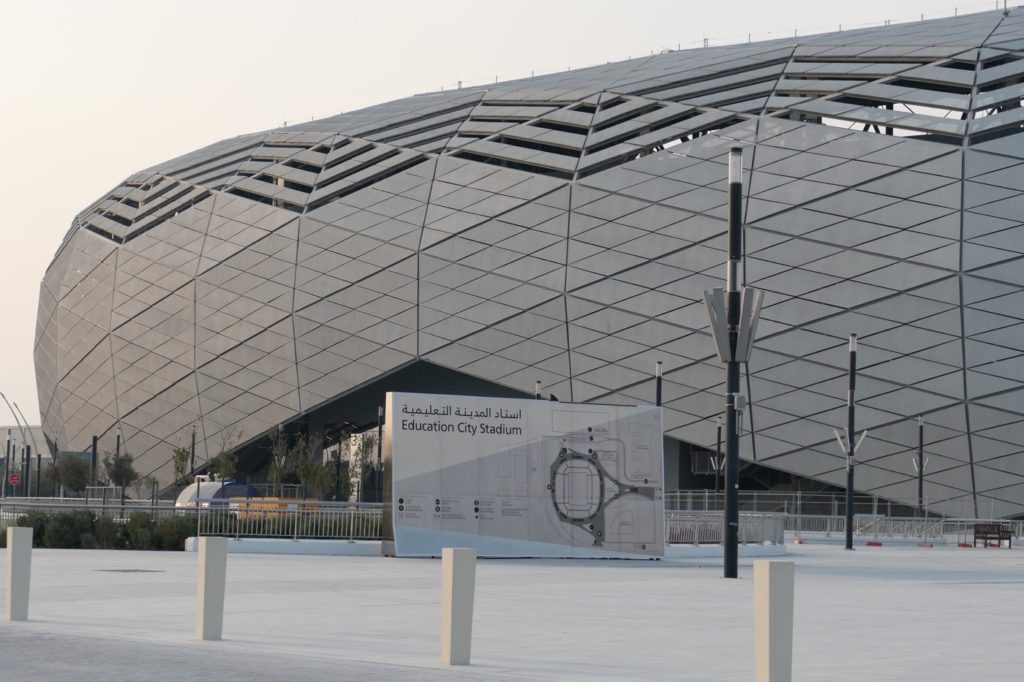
850, 446
733, 312
919, 464
657, 383
718, 451
7, 462
732, 367
380, 442
191, 454
94, 460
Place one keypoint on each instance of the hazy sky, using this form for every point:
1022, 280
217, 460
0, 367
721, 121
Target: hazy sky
92, 91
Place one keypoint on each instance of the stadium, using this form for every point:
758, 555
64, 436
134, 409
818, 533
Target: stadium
562, 229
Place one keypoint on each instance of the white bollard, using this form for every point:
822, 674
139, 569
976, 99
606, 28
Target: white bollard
19, 570
213, 562
773, 621
458, 582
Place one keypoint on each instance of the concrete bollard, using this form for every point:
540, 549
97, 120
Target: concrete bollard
458, 582
19, 570
773, 621
213, 562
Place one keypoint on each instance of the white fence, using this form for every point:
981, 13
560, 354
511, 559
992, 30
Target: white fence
703, 528
235, 518
364, 521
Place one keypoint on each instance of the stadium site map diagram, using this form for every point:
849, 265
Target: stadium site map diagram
526, 477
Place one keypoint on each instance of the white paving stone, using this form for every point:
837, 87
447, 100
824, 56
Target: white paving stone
892, 613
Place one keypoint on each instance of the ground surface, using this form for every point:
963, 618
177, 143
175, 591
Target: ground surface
892, 613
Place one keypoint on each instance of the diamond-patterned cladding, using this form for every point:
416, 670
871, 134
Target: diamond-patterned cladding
563, 228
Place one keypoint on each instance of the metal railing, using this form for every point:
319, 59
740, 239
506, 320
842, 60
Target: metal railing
13, 507
235, 517
292, 519
788, 502
881, 527
704, 528
364, 521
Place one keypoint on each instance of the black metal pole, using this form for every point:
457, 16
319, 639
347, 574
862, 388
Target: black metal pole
337, 473
39, 471
7, 462
117, 445
58, 490
850, 444
920, 463
192, 456
380, 445
732, 387
657, 383
95, 460
27, 466
718, 453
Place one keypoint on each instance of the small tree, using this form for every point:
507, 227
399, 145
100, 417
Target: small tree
120, 470
341, 476
224, 465
70, 471
180, 457
143, 486
279, 452
364, 449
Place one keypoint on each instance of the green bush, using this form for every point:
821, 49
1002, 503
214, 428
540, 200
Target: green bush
62, 532
107, 534
87, 541
37, 521
170, 532
138, 531
140, 538
84, 519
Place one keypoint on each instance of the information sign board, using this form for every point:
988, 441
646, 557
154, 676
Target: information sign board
523, 478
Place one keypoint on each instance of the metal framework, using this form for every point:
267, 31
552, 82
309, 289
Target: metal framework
563, 228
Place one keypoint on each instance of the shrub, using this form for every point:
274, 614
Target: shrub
84, 521
87, 541
138, 530
170, 532
107, 533
62, 532
37, 521
140, 538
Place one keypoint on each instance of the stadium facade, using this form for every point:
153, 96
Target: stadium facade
563, 228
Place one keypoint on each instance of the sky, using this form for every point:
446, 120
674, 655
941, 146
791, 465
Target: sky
91, 92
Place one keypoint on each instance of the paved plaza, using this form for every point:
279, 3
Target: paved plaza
893, 613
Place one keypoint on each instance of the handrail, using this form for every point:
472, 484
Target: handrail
260, 517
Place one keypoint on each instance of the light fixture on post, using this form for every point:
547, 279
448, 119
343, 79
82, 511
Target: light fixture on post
850, 445
657, 383
920, 463
734, 312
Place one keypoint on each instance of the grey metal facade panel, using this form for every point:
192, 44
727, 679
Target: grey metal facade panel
563, 228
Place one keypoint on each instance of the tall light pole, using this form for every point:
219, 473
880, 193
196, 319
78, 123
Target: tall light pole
718, 451
920, 463
734, 312
850, 446
380, 443
7, 462
191, 455
657, 383
732, 367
